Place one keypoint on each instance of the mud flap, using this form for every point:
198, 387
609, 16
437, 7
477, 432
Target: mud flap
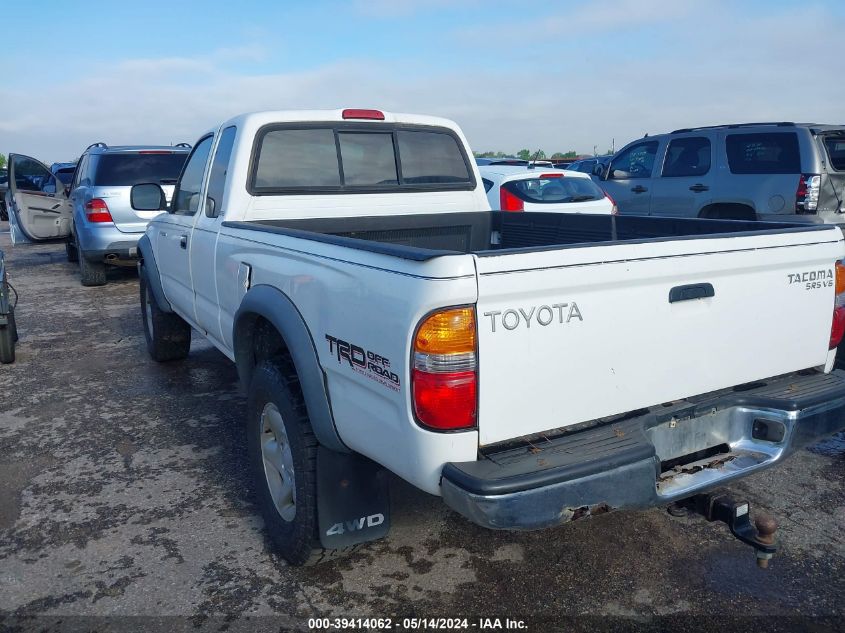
353, 501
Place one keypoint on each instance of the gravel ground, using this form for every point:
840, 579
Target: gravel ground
125, 493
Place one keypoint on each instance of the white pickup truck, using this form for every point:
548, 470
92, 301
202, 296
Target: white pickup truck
531, 369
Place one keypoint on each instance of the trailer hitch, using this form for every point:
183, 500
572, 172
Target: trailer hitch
720, 506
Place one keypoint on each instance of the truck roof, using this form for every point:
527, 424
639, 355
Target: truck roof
258, 119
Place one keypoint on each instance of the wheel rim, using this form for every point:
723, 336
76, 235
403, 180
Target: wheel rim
148, 310
278, 462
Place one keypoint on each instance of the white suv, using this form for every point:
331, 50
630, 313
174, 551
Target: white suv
748, 171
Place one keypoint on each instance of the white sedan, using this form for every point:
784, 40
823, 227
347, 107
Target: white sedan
540, 189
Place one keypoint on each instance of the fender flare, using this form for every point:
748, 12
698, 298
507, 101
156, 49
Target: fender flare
149, 269
275, 306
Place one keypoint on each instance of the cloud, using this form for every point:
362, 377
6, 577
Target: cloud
707, 69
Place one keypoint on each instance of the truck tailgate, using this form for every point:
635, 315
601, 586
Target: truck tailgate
577, 333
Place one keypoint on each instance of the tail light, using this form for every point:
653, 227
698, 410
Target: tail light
837, 328
614, 210
509, 202
445, 372
807, 194
548, 176
96, 210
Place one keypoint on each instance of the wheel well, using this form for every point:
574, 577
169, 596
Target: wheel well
264, 341
728, 211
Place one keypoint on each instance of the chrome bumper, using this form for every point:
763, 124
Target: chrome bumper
650, 460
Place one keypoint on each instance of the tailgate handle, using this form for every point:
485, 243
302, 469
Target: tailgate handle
691, 291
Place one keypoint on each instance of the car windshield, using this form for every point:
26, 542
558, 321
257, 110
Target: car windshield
114, 170
554, 189
65, 175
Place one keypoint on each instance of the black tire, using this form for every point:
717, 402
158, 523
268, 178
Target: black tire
297, 540
728, 211
91, 273
7, 345
168, 335
71, 250
13, 325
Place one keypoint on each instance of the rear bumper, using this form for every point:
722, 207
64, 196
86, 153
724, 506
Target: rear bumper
650, 460
97, 243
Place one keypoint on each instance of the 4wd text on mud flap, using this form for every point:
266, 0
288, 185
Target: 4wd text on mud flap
544, 315
355, 524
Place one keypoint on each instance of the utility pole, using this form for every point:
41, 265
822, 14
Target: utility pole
595, 153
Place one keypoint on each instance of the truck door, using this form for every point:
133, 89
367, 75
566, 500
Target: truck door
686, 177
38, 205
204, 238
174, 238
629, 177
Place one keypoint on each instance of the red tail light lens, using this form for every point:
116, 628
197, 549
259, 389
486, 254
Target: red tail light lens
509, 202
445, 401
547, 176
373, 115
444, 370
837, 328
96, 210
614, 210
807, 193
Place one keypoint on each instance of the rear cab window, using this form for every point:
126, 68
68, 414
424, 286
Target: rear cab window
554, 189
133, 168
335, 158
763, 153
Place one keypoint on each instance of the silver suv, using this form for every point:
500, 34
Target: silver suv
747, 171
105, 228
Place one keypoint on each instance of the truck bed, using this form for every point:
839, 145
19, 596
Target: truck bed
424, 236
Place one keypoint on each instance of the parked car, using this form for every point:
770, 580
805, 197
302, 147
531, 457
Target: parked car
588, 165
64, 172
748, 171
530, 368
96, 217
501, 161
4, 187
542, 189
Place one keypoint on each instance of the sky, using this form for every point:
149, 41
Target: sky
557, 76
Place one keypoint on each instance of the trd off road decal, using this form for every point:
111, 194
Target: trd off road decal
372, 365
812, 279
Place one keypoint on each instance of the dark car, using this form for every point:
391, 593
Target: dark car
4, 187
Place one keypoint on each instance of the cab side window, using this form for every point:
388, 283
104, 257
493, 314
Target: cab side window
635, 162
687, 157
186, 198
217, 175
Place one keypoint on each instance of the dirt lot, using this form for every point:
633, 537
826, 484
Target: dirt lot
124, 492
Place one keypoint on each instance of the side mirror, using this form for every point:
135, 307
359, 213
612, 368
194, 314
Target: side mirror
147, 197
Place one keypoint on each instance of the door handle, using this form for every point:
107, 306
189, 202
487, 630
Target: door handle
698, 187
691, 291
162, 233
183, 241
639, 189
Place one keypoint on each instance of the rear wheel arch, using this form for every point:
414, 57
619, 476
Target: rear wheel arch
268, 325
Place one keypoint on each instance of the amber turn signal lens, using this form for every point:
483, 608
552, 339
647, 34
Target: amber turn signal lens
447, 332
840, 278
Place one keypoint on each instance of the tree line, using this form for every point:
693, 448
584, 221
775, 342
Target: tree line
527, 154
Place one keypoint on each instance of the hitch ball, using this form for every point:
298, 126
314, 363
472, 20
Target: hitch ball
766, 528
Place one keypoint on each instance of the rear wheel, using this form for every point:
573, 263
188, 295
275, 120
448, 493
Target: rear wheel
168, 336
7, 344
71, 249
91, 273
283, 456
